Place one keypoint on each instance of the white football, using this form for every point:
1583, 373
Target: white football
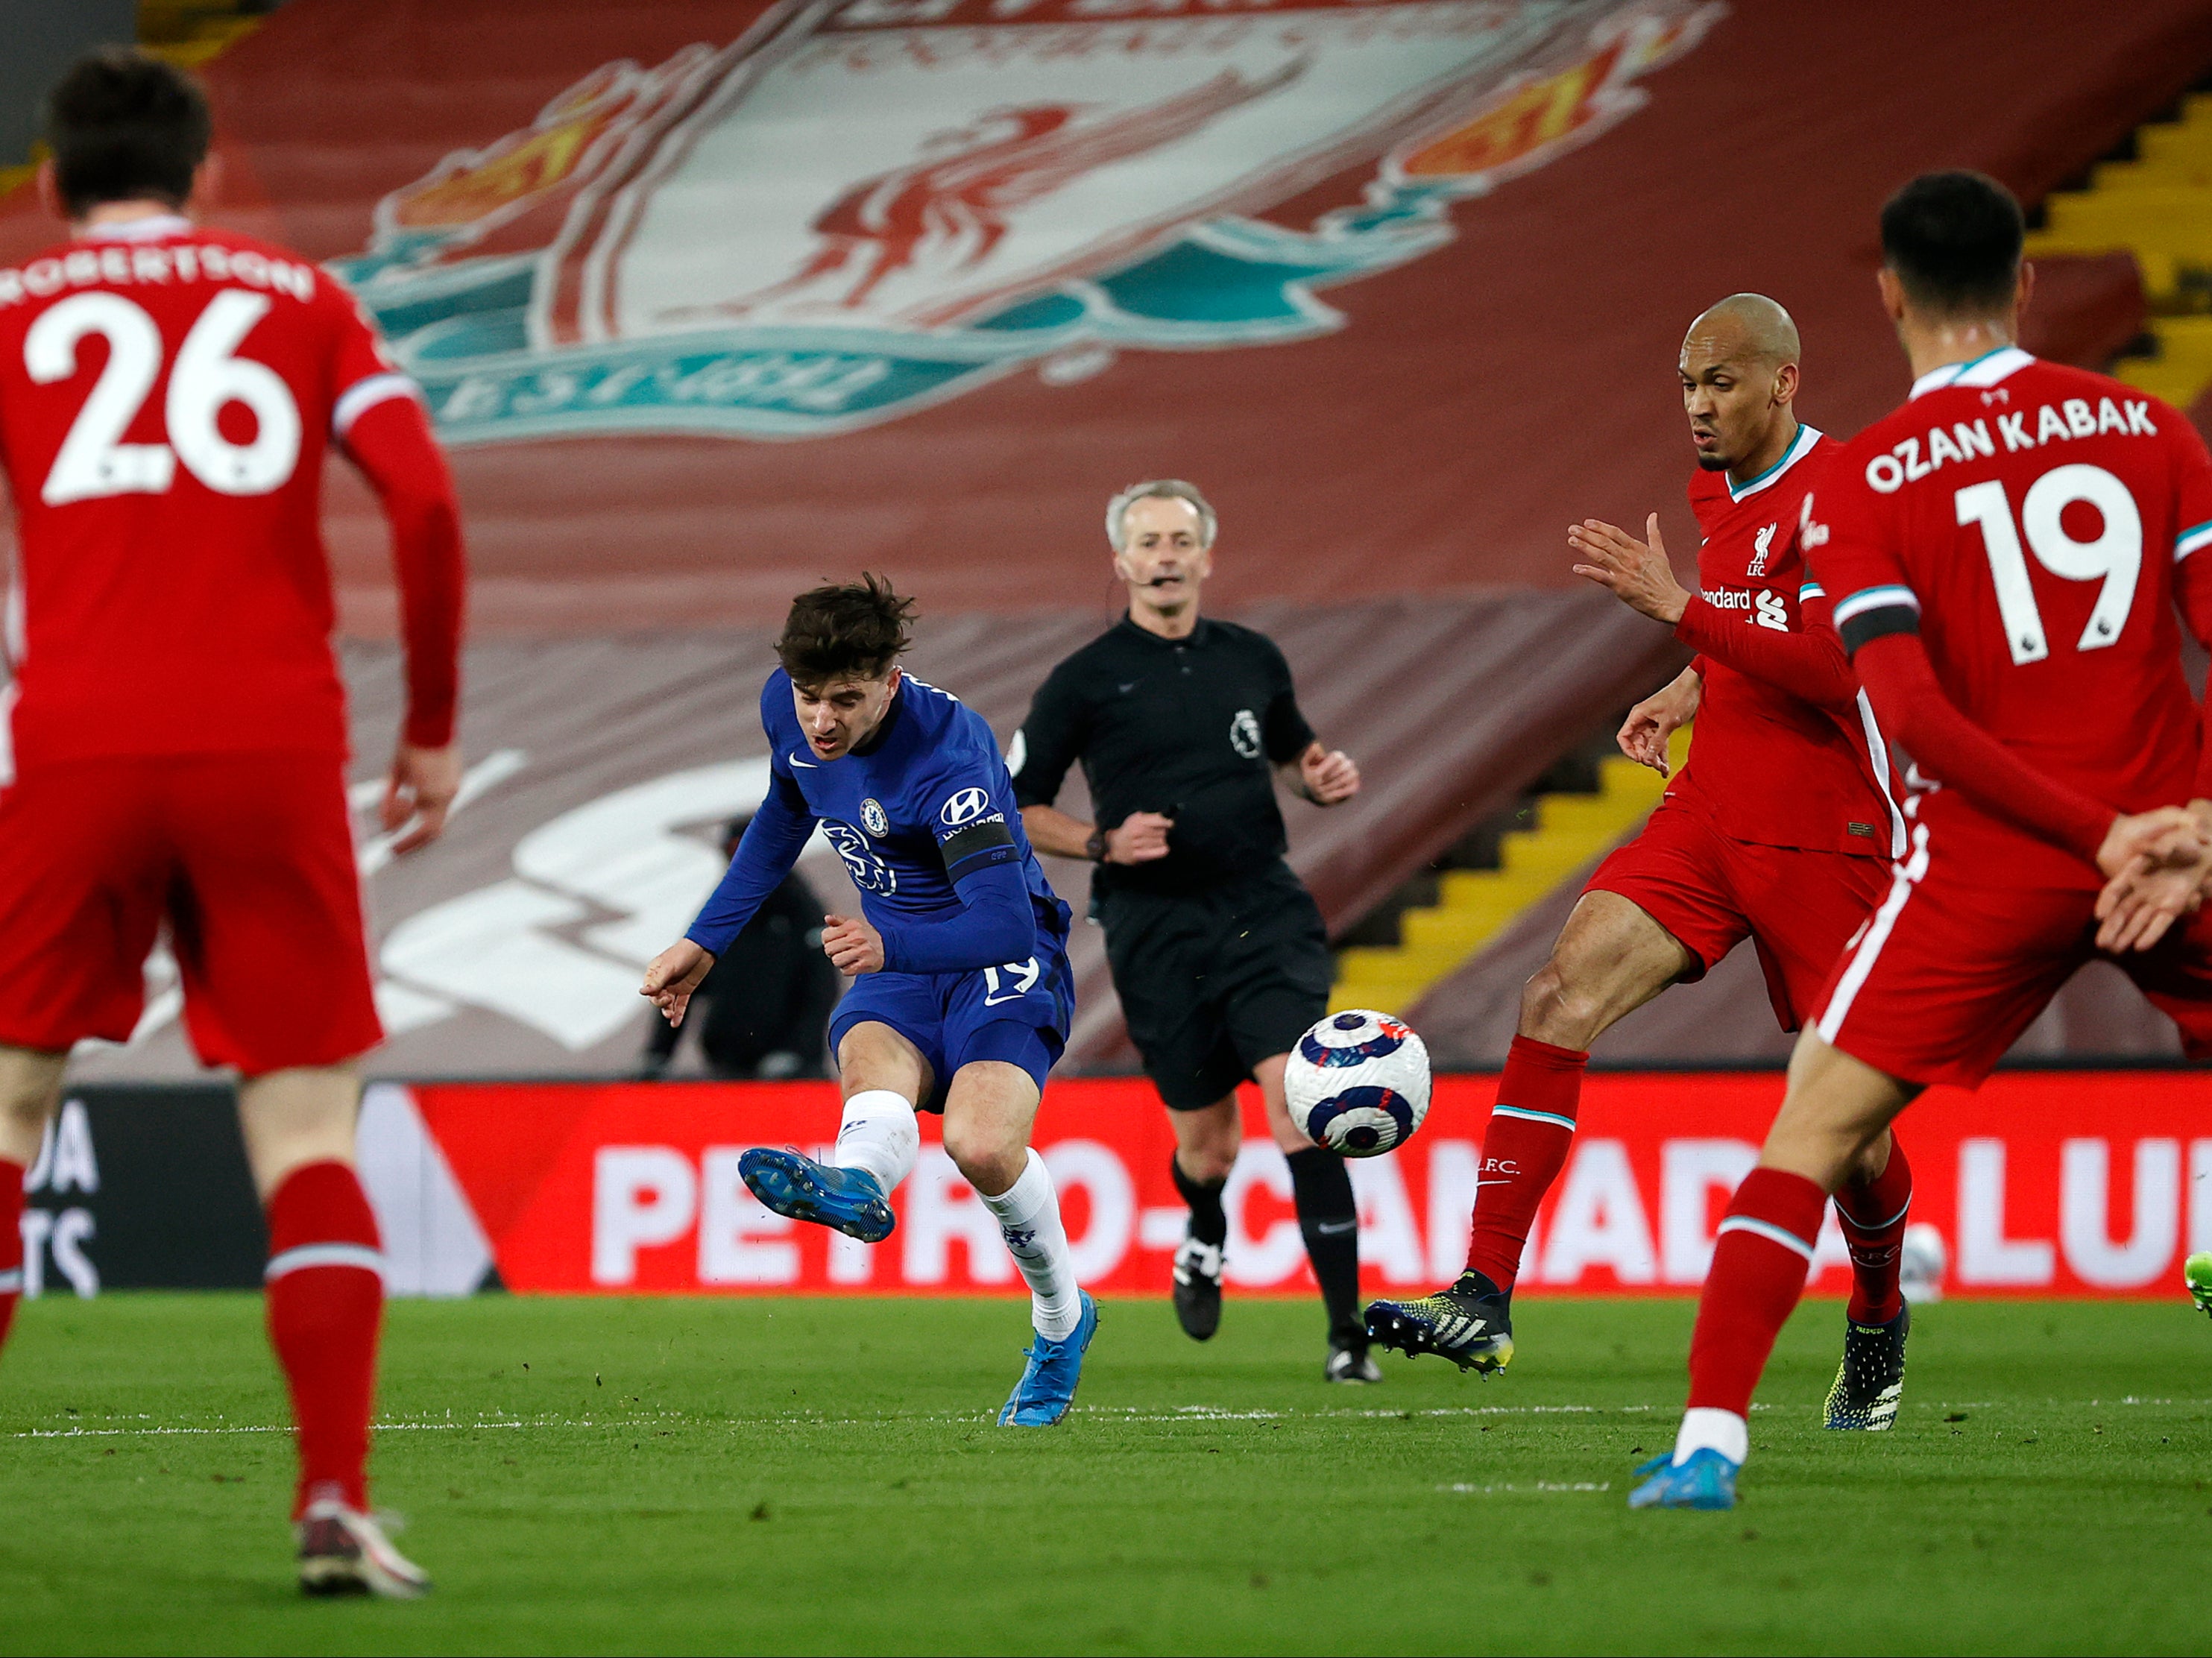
1357, 1083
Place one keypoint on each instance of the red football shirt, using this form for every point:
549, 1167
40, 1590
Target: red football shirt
166, 395
2026, 519
1767, 765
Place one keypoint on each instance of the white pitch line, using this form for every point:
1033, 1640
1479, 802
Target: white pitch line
1541, 1485
1104, 1413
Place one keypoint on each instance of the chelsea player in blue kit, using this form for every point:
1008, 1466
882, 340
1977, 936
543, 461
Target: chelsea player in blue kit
963, 992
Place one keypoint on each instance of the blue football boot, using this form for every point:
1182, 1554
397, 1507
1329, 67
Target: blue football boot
847, 1200
1707, 1480
1047, 1386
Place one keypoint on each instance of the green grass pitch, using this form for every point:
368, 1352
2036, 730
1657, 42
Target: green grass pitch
791, 1475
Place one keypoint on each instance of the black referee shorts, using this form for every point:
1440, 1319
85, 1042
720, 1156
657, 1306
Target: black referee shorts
1212, 982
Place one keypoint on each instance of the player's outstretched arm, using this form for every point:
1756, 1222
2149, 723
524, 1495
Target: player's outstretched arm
672, 976
769, 848
422, 786
1636, 573
1912, 707
1810, 663
1643, 735
392, 443
995, 926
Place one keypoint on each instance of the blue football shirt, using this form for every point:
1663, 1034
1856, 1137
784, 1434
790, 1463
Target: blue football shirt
925, 804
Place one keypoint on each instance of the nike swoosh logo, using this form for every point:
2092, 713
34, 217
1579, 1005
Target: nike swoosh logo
1010, 996
809, 764
1125, 689
1329, 1229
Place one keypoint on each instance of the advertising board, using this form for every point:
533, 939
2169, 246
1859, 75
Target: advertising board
2043, 1183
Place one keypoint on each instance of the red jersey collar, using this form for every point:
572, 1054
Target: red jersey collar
1799, 447
1985, 370
151, 228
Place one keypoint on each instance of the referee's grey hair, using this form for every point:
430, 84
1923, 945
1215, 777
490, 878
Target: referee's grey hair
1159, 489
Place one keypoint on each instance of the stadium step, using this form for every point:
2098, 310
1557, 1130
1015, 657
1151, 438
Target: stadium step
2156, 205
186, 32
189, 33
1563, 832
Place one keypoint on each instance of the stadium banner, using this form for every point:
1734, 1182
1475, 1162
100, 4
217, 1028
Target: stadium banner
2043, 1183
142, 1188
851, 212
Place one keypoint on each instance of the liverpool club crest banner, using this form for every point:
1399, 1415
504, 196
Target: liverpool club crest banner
855, 210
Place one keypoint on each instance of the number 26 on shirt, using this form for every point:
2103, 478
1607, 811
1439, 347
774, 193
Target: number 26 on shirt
93, 460
2114, 556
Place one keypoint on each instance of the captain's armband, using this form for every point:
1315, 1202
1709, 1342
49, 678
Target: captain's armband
1872, 612
977, 846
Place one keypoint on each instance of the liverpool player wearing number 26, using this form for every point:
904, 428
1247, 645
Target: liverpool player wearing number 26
175, 734
2006, 553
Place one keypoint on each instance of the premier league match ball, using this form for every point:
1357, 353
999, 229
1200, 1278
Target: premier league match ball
1358, 1083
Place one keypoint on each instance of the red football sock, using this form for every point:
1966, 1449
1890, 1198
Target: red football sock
11, 1243
325, 1302
1531, 1128
1873, 1217
1758, 1276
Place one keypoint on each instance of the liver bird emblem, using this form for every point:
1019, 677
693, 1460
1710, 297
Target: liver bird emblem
952, 205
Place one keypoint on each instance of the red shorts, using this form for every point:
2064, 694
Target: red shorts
1951, 968
249, 858
1799, 909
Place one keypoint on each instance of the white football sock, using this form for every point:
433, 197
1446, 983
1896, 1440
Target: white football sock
1708, 1429
1029, 1219
879, 1135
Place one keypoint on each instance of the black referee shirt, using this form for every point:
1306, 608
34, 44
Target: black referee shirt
1189, 727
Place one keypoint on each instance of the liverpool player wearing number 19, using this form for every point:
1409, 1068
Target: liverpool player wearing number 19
2006, 552
1777, 829
175, 738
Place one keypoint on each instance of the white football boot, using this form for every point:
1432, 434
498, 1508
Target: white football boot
344, 1551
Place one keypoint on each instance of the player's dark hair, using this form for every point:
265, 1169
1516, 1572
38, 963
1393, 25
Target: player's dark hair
847, 630
1954, 240
124, 126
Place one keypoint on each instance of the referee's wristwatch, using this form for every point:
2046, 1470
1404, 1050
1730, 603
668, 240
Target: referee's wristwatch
1095, 848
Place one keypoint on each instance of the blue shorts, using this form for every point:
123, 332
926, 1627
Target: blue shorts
1018, 1013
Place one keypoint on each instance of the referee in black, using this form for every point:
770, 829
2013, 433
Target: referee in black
1182, 725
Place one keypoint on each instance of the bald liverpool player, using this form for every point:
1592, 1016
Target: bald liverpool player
1778, 828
